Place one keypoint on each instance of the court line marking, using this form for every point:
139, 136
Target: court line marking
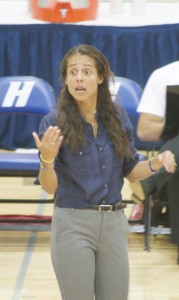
27, 255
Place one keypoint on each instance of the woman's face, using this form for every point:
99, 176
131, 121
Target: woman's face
82, 78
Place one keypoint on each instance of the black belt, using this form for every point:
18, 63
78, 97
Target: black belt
108, 207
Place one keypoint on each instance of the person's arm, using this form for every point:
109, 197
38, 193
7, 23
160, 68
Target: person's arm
49, 147
47, 177
145, 168
150, 127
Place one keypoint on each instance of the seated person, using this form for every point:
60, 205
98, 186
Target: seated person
152, 108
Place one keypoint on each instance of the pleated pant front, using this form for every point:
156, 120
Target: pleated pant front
89, 254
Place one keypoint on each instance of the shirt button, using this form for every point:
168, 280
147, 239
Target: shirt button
103, 167
105, 185
81, 153
100, 148
103, 202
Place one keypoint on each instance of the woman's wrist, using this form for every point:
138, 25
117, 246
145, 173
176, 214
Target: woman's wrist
45, 161
154, 165
46, 167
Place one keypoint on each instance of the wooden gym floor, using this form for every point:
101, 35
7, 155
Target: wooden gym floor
25, 264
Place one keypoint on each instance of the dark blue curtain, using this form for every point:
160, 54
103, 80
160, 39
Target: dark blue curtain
133, 52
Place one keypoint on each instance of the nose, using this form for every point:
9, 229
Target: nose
79, 76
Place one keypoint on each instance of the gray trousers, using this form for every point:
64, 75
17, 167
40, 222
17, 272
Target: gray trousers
89, 254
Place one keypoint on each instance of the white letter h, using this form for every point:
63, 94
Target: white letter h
18, 96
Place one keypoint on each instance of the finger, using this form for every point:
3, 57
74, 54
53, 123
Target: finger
51, 135
36, 139
170, 166
60, 141
47, 135
53, 132
55, 136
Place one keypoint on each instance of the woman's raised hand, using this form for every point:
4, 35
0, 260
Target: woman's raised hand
50, 143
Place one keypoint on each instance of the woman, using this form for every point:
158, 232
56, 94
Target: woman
86, 150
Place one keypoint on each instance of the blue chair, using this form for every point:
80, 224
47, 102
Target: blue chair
29, 96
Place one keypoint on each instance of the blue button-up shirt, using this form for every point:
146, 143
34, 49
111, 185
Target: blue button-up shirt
93, 175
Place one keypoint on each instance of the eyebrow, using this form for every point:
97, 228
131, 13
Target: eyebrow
85, 65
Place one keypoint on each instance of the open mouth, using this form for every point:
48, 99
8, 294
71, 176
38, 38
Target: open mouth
80, 89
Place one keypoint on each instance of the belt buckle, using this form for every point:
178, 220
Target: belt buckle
105, 208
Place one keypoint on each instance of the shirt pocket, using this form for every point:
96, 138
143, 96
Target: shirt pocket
82, 163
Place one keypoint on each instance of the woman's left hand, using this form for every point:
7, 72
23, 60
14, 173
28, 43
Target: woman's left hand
167, 159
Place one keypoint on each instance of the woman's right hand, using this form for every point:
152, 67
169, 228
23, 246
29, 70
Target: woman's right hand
50, 143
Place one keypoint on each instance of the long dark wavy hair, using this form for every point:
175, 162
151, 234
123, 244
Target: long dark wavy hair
69, 120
